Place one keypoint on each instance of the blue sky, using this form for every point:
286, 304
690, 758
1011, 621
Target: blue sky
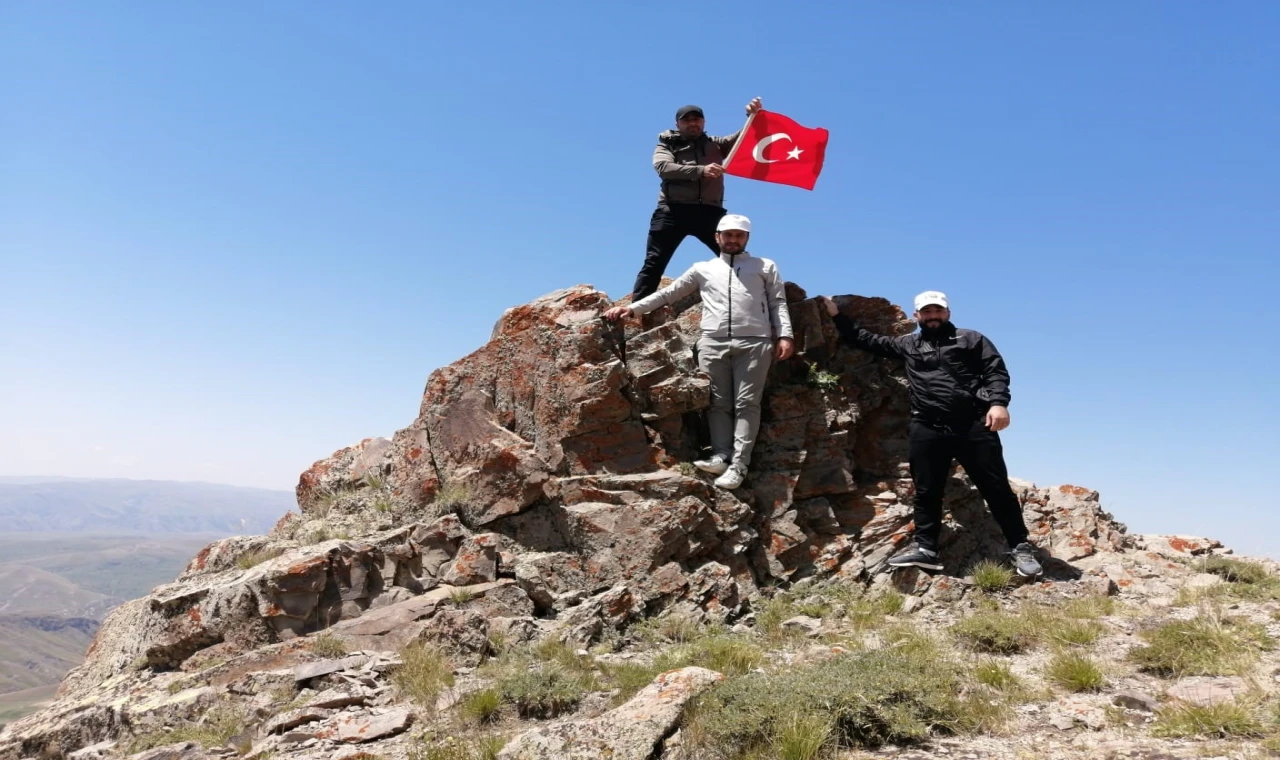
236, 237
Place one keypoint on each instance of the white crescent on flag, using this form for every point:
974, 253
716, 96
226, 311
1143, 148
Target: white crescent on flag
758, 152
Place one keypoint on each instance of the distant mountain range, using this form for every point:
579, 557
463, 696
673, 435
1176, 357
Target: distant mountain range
74, 505
72, 549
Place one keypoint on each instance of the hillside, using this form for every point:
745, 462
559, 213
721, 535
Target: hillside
37, 651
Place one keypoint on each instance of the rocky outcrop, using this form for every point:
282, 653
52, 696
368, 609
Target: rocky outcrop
545, 483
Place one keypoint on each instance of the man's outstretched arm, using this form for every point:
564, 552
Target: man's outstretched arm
855, 335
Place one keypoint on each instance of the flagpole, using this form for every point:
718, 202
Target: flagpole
737, 143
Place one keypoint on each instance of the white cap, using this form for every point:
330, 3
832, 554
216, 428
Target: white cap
931, 298
734, 222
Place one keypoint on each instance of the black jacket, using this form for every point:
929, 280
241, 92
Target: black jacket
972, 380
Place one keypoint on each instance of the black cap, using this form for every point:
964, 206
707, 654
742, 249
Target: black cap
687, 111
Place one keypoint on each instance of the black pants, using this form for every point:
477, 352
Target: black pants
932, 449
668, 227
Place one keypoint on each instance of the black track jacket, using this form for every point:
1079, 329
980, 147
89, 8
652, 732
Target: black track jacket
955, 375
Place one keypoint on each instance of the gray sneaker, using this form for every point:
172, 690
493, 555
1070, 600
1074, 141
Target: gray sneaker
1024, 560
732, 477
915, 556
716, 465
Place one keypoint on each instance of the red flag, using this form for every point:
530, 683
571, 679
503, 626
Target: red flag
774, 148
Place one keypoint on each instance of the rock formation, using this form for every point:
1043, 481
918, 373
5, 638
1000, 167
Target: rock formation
543, 493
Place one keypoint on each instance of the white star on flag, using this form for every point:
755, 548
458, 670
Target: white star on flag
794, 153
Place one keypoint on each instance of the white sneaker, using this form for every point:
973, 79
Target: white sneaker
715, 465
732, 477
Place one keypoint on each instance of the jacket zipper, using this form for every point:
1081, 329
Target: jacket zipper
731, 272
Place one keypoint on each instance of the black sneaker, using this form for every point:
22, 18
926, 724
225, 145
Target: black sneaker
914, 556
1024, 560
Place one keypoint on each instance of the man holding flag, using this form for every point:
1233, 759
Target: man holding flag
692, 165
691, 199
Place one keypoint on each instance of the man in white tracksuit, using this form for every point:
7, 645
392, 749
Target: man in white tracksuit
745, 325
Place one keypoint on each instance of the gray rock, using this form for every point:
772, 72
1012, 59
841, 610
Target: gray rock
630, 732
359, 727
1135, 700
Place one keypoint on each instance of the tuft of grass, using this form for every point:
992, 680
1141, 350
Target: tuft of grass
453, 498
1075, 671
1078, 633
1209, 645
1089, 607
454, 748
327, 645
325, 503
997, 675
257, 557
869, 611
425, 672
546, 691
213, 730
992, 576
375, 481
802, 736
814, 608
460, 595
725, 654
687, 469
771, 615
629, 678
383, 504
482, 706
871, 698
1225, 720
822, 379
327, 533
994, 632
676, 629
1235, 570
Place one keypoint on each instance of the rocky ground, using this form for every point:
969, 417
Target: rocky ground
532, 570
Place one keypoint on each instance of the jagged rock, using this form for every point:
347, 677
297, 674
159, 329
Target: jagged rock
310, 670
294, 718
542, 471
809, 626
1207, 690
631, 732
1135, 700
355, 728
337, 698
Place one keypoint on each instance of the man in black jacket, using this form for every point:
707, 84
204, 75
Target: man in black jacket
691, 199
959, 403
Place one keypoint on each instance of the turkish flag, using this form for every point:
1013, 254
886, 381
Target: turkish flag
774, 148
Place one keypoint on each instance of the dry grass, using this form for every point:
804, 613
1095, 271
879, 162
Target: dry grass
425, 673
257, 557
1210, 644
1075, 671
992, 576
327, 645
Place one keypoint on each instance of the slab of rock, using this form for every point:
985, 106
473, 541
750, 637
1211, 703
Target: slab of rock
294, 718
630, 732
179, 751
1135, 700
809, 626
309, 670
355, 728
333, 699
1207, 691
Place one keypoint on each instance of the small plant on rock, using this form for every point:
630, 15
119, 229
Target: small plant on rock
822, 379
992, 576
425, 672
997, 675
1236, 719
687, 469
1075, 671
256, 557
1209, 644
994, 632
1234, 570
460, 595
482, 706
452, 498
328, 645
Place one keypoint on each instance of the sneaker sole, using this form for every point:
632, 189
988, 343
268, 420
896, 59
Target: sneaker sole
711, 470
1030, 575
921, 565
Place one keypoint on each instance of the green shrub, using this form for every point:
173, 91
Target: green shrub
992, 576
997, 675
1208, 645
545, 691
994, 632
869, 698
1075, 671
1226, 720
425, 672
213, 730
482, 706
